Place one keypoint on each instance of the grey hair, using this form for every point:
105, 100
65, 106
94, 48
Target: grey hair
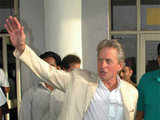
112, 44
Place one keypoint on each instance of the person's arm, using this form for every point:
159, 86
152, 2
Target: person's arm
139, 115
140, 103
44, 71
41, 68
0, 113
7, 89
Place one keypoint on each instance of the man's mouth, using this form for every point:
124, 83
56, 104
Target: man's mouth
103, 72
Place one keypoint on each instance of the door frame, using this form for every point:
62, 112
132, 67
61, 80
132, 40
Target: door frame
141, 62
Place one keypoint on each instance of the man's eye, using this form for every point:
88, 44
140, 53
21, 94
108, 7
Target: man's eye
108, 61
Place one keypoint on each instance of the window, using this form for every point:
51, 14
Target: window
129, 20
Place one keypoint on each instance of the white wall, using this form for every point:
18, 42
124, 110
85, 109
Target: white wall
63, 26
94, 24
75, 27
32, 17
4, 13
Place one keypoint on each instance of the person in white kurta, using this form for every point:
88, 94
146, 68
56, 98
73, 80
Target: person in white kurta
3, 83
37, 100
55, 105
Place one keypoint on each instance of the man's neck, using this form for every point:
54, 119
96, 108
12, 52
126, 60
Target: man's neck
128, 79
110, 84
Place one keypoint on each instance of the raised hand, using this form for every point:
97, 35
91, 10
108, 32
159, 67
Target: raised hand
16, 32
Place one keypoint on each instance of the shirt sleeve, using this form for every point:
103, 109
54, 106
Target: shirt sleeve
140, 103
43, 70
4, 79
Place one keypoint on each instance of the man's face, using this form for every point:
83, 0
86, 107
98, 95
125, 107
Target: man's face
51, 61
74, 66
108, 64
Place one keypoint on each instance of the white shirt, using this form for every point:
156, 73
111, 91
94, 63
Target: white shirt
38, 103
105, 105
55, 105
3, 83
34, 103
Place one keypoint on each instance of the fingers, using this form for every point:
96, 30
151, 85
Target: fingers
12, 24
22, 30
16, 24
8, 26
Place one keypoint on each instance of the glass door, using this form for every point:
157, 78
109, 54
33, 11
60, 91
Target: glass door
149, 53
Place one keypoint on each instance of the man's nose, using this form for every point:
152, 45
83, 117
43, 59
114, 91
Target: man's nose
103, 64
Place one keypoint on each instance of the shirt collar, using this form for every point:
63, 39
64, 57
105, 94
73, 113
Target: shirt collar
101, 84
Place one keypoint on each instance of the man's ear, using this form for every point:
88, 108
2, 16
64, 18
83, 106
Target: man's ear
121, 65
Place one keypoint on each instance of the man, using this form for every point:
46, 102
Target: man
154, 64
52, 58
126, 74
107, 98
70, 62
3, 101
37, 100
158, 57
148, 107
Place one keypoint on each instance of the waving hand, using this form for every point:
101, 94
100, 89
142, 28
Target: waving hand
16, 32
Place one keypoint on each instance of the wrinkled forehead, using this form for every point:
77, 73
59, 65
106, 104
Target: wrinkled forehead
106, 47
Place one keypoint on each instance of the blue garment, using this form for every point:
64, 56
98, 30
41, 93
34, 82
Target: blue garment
149, 95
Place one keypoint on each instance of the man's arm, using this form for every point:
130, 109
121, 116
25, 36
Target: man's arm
140, 103
139, 115
41, 68
7, 89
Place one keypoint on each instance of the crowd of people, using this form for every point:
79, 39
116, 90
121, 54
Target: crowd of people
66, 92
